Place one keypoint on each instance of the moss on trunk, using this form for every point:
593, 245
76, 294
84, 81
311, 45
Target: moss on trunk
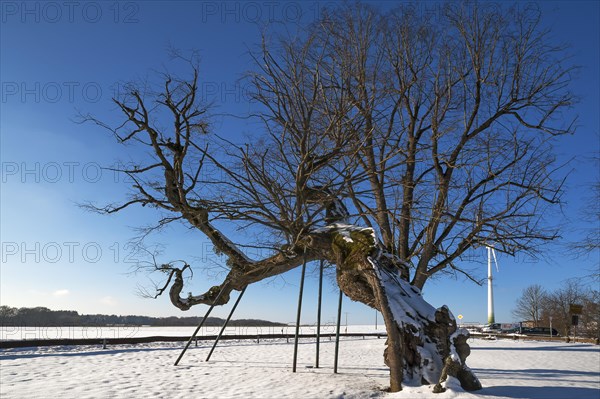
423, 343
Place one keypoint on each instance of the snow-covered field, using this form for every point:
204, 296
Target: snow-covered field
245, 369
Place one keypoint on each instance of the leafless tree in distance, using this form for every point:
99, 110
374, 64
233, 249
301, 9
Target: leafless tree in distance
559, 302
531, 303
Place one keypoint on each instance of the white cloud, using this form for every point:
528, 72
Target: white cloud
108, 300
59, 293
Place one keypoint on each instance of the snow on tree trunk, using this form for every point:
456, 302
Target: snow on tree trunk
424, 345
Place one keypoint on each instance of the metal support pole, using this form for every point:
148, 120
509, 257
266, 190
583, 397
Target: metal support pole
337, 334
298, 316
201, 324
225, 324
319, 311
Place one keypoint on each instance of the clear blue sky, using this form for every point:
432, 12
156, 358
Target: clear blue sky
58, 57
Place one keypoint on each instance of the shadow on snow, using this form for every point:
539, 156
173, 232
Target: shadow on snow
520, 392
562, 348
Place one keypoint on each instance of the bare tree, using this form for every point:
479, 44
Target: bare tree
530, 304
391, 145
559, 302
588, 242
558, 306
590, 323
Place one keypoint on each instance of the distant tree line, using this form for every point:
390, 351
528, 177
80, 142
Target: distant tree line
41, 316
538, 305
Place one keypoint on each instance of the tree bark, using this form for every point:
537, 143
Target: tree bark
424, 345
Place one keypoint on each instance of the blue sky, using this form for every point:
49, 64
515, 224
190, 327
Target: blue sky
59, 57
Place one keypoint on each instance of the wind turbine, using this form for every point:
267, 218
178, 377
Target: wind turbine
491, 253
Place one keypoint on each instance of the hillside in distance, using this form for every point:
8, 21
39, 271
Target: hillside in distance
41, 316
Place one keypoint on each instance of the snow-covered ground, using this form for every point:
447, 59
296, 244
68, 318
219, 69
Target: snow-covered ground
245, 369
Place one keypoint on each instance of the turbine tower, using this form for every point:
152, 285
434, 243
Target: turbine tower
490, 253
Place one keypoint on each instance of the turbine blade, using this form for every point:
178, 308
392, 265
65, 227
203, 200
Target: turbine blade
495, 260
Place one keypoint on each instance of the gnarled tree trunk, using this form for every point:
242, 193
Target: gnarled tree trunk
424, 344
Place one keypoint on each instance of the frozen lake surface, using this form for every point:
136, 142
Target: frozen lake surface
245, 369
77, 332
